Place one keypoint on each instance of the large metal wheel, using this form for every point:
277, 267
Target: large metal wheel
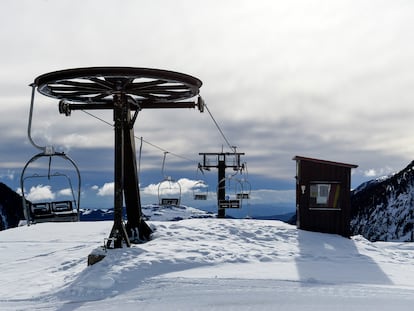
100, 84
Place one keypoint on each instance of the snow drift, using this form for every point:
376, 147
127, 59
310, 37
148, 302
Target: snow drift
202, 264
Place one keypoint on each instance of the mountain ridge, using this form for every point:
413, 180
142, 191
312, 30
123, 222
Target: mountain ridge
383, 208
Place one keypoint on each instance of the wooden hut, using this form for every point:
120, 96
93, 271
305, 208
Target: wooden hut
323, 195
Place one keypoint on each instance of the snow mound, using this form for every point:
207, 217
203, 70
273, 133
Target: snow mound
202, 264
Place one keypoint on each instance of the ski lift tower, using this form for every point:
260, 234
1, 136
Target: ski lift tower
221, 161
125, 91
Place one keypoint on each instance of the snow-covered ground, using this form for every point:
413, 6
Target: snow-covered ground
202, 264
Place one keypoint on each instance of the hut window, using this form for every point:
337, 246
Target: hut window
324, 195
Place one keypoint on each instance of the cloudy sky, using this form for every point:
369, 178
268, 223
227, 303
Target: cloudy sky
325, 79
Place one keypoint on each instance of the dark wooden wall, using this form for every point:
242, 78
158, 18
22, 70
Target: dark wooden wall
328, 220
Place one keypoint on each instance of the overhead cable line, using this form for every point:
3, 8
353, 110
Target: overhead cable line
140, 152
233, 148
141, 138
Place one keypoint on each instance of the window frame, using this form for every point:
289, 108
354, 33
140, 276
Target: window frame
333, 200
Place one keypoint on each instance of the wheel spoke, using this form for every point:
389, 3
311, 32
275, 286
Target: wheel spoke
106, 84
147, 84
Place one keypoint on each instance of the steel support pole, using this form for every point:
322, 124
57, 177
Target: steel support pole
136, 227
118, 233
221, 192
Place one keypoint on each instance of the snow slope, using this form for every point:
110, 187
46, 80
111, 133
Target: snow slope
203, 264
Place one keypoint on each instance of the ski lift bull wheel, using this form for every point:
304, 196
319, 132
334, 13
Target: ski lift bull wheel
147, 88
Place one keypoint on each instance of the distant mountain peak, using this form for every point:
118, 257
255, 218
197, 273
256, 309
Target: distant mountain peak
383, 208
11, 207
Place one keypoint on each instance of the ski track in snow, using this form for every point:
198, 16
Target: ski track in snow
203, 264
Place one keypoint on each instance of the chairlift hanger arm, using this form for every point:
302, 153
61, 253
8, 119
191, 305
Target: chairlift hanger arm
223, 156
220, 153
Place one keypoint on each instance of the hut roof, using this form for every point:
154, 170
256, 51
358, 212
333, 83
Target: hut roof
296, 158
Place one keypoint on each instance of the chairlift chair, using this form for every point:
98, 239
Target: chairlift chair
231, 200
246, 188
51, 211
169, 192
48, 211
200, 191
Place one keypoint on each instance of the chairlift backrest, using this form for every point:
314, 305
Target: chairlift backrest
229, 204
165, 201
40, 209
200, 196
243, 196
62, 206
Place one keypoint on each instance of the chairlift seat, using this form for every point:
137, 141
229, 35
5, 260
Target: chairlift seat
39, 210
229, 204
62, 206
170, 201
242, 196
53, 211
200, 196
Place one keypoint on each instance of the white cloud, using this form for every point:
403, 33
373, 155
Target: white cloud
107, 189
168, 187
151, 189
370, 173
40, 192
383, 171
65, 192
187, 185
